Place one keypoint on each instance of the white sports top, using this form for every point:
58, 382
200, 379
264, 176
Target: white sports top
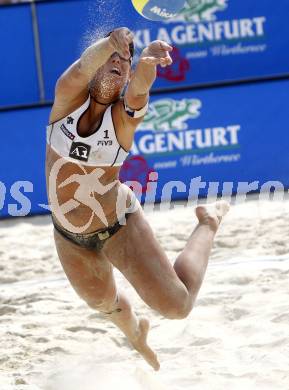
99, 149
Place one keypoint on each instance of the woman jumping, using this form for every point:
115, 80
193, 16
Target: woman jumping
98, 222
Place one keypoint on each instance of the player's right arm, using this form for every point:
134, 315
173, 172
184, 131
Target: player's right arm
72, 87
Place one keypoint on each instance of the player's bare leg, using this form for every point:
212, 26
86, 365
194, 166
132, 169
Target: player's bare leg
192, 263
170, 290
91, 275
135, 329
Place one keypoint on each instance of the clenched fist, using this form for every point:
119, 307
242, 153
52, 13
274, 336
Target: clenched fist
120, 39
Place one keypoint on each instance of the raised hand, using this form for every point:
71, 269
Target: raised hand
157, 53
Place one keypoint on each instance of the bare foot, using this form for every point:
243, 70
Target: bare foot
140, 344
212, 214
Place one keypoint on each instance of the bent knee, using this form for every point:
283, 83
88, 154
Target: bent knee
101, 302
176, 313
176, 309
105, 305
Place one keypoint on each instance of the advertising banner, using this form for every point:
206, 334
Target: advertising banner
214, 41
18, 73
232, 135
22, 174
222, 140
222, 40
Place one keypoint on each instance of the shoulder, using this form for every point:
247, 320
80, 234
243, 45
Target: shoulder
71, 91
60, 110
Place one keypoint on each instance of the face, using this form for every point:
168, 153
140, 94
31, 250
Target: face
110, 79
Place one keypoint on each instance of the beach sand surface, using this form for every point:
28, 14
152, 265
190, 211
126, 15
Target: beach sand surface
235, 338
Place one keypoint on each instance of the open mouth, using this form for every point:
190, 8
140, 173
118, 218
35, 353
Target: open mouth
115, 71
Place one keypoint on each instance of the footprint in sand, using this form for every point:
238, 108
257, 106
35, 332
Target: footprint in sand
7, 310
33, 326
7, 280
20, 381
203, 341
207, 301
29, 299
234, 314
52, 351
85, 329
172, 350
41, 340
241, 280
276, 343
226, 244
284, 317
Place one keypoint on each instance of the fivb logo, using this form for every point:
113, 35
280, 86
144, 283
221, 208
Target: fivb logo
165, 129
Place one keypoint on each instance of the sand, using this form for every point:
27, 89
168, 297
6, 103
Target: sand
235, 338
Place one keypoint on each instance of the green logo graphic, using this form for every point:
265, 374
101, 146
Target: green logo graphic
170, 114
197, 11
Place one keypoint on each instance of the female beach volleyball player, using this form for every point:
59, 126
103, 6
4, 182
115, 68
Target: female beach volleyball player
98, 222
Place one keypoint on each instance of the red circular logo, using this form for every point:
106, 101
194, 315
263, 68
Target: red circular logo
136, 168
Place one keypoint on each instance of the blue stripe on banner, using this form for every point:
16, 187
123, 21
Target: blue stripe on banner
231, 134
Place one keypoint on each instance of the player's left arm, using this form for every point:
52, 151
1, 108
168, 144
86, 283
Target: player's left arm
134, 106
137, 93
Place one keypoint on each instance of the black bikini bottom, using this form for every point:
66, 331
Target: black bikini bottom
93, 241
